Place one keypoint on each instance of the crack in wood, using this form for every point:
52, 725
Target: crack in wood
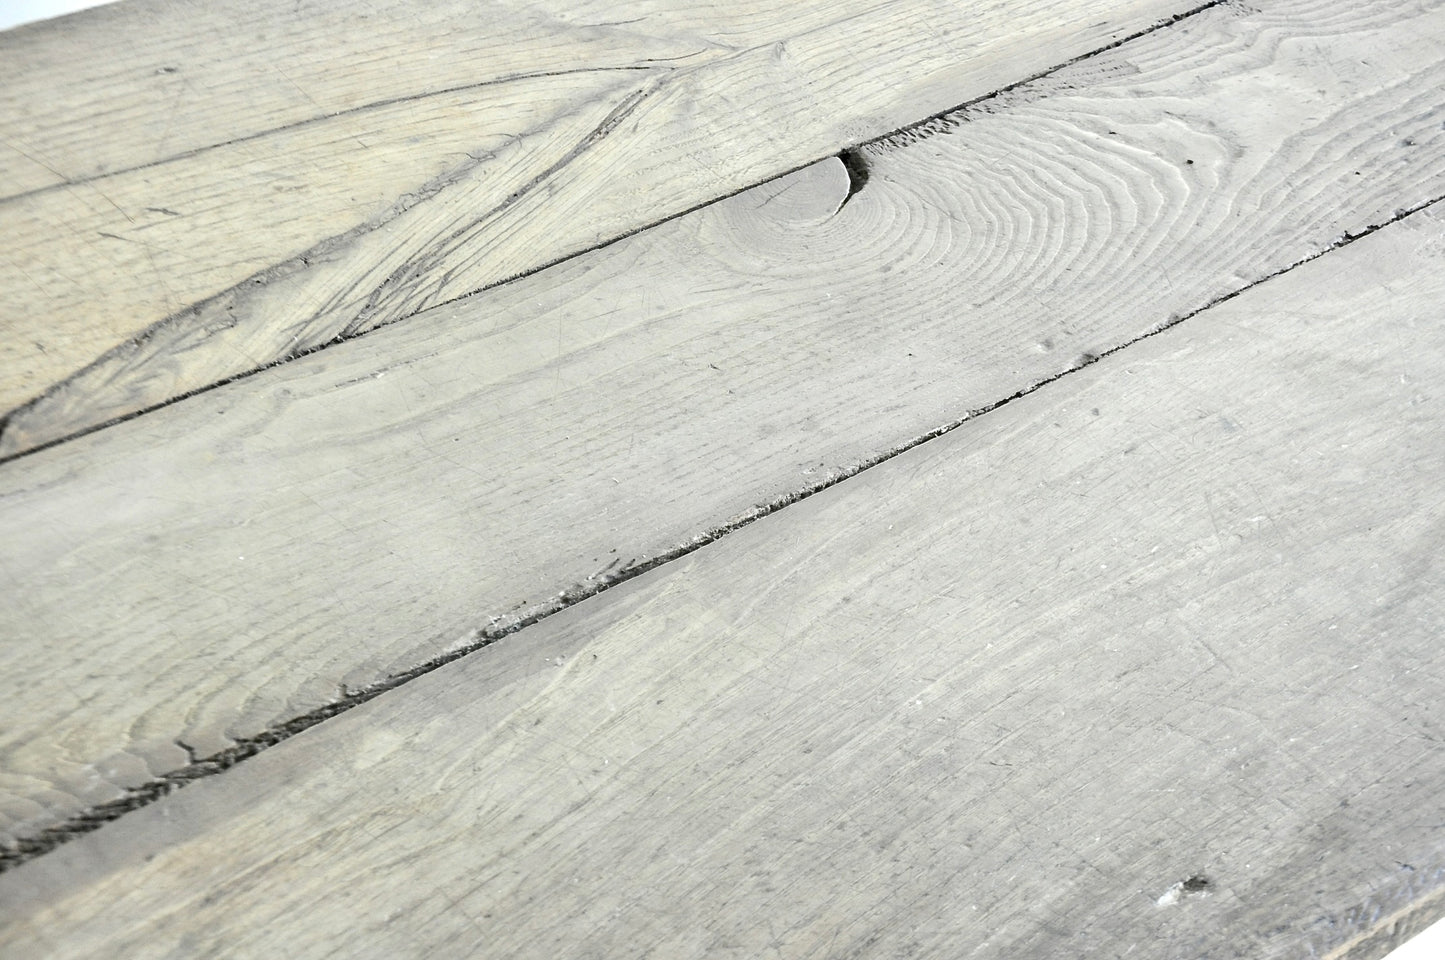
857, 166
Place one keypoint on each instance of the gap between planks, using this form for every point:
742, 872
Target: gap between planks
28, 848
798, 779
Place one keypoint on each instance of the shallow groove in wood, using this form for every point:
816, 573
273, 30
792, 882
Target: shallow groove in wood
27, 848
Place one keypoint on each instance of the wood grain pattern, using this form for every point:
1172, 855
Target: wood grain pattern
317, 172
1175, 617
205, 573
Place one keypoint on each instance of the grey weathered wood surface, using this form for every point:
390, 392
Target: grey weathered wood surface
197, 190
1174, 616
211, 570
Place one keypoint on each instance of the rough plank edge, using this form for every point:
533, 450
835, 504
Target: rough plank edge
1381, 938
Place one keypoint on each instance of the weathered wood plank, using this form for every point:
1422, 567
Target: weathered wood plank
214, 570
1146, 662
240, 186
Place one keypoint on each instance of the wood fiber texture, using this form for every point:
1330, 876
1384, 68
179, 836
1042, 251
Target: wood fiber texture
1146, 662
194, 191
209, 572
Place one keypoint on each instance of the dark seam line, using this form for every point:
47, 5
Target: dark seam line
135, 797
298, 124
916, 125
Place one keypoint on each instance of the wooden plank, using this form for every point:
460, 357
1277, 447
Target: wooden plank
193, 581
1147, 660
243, 185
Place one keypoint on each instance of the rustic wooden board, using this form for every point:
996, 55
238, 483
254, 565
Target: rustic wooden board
196, 578
243, 182
1146, 663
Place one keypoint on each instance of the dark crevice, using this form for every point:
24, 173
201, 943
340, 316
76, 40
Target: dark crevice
94, 817
916, 130
857, 166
